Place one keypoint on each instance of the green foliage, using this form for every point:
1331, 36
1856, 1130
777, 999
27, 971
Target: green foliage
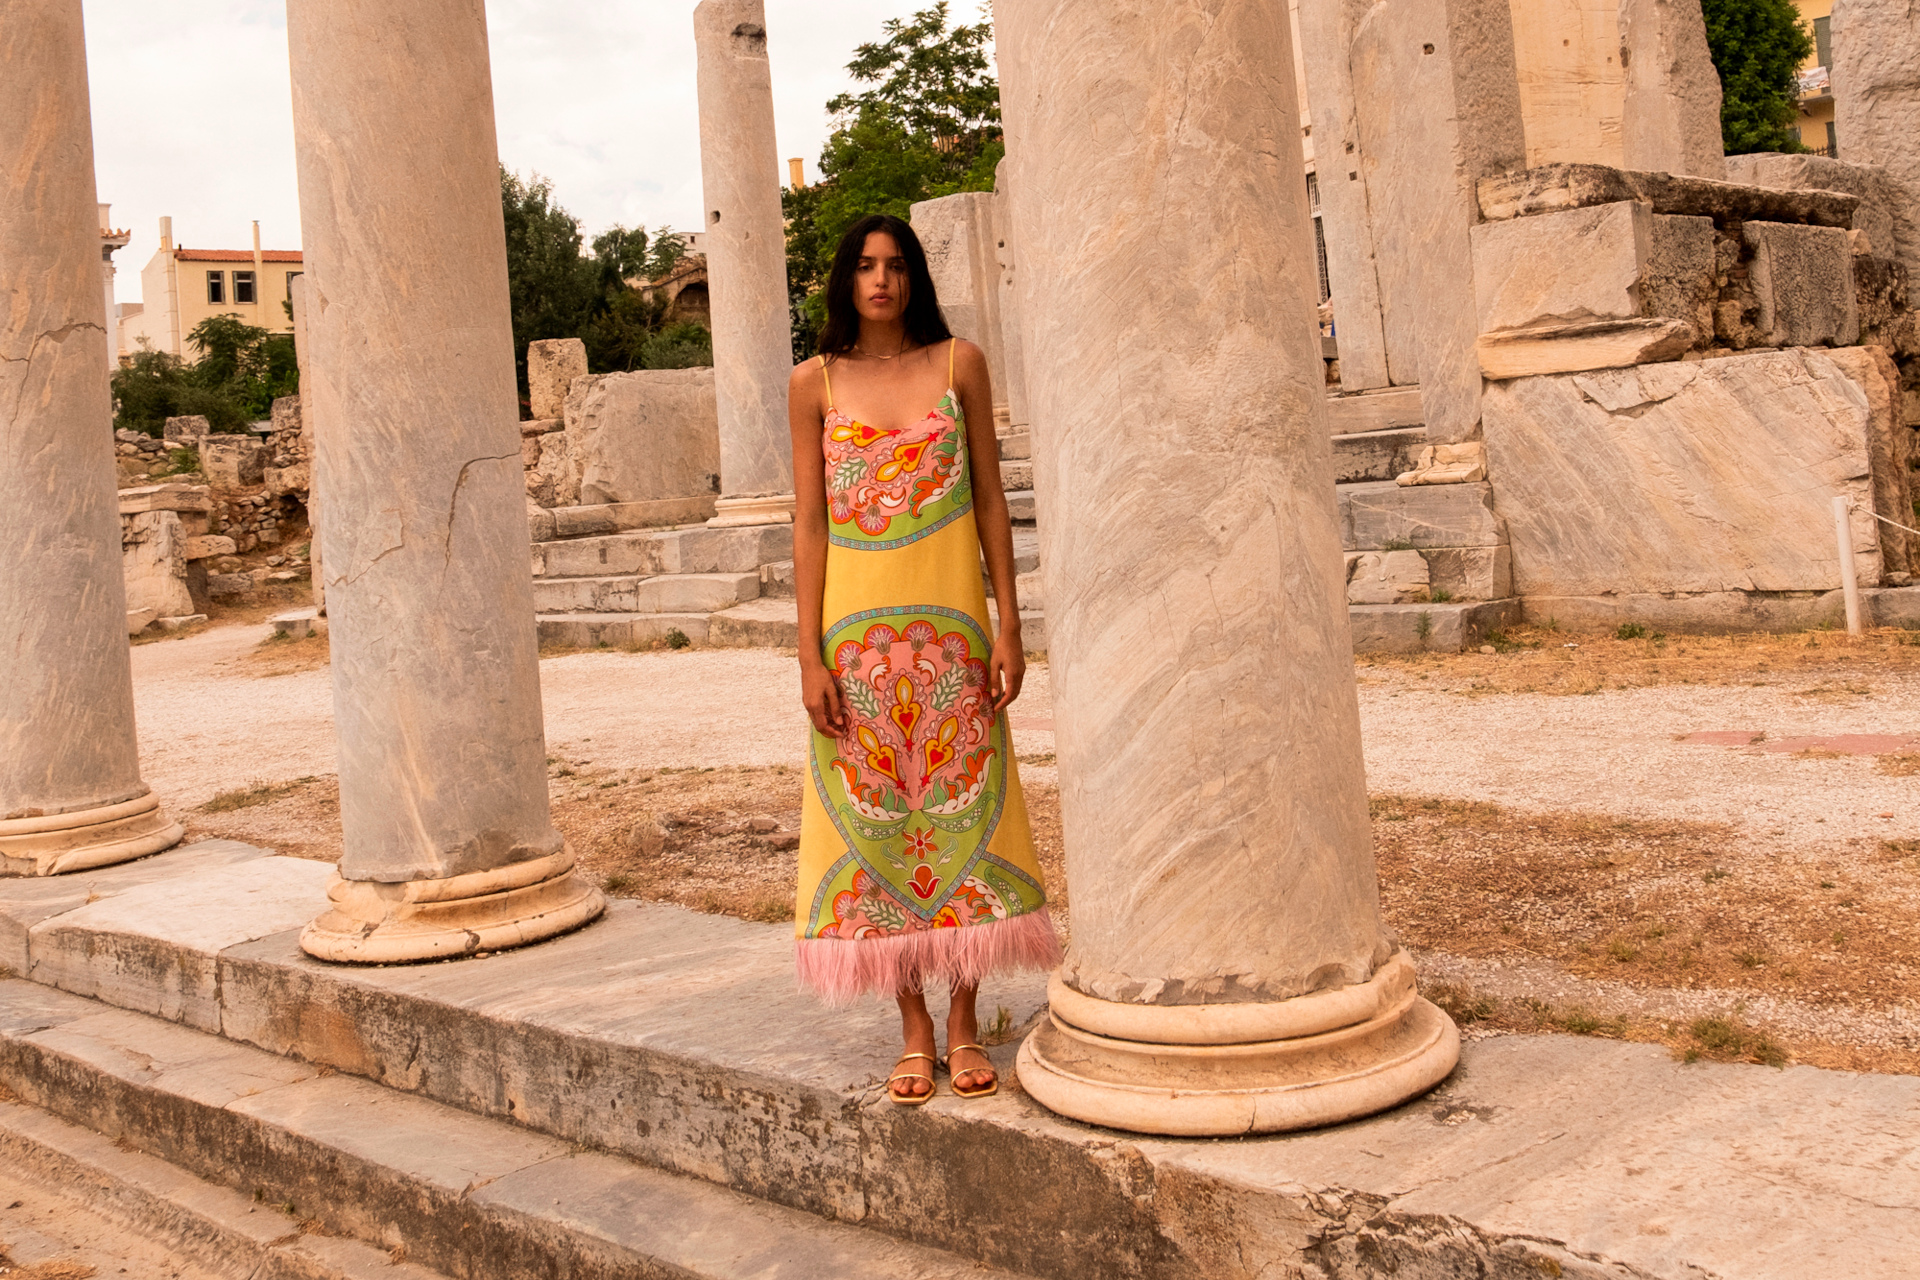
557, 289
928, 127
1758, 46
239, 371
1629, 631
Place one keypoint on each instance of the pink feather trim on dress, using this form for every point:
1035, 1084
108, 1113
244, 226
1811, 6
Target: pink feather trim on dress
840, 970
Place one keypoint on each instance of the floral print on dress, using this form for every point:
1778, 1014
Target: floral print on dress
886, 487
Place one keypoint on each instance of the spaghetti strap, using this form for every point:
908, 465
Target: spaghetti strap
824, 378
951, 344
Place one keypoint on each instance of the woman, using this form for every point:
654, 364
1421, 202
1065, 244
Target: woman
916, 858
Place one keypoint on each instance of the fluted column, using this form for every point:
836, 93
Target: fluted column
70, 790
449, 847
746, 262
1228, 970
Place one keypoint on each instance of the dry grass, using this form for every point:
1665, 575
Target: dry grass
300, 818
1816, 664
1667, 904
278, 655
55, 1269
1904, 764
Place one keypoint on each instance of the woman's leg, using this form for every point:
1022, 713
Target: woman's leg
916, 1027
971, 1070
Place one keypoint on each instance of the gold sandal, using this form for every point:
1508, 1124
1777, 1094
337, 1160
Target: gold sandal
911, 1099
977, 1091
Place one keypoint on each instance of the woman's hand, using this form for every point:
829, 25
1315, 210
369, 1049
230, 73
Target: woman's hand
820, 693
1007, 669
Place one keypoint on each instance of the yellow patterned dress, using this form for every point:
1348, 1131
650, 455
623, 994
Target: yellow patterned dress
916, 856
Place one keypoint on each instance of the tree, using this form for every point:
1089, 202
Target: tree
1758, 46
556, 290
240, 372
929, 127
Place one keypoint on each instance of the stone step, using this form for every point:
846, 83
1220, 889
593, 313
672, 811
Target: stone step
466, 1194
757, 624
620, 630
1376, 455
1384, 516
1374, 410
1026, 550
627, 593
547, 523
194, 1221
679, 1040
691, 550
1428, 628
776, 581
1020, 507
1016, 476
1016, 445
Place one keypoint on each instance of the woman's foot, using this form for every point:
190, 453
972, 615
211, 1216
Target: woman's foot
911, 1081
973, 1073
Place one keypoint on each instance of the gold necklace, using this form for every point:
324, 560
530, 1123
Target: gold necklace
872, 356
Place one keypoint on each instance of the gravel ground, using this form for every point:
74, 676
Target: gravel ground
207, 724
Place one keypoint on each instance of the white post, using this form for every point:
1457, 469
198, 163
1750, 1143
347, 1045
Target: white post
1849, 577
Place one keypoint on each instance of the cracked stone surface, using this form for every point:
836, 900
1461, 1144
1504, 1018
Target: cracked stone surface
1231, 783
66, 689
436, 694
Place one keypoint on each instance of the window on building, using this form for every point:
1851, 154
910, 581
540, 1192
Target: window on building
243, 286
216, 287
1833, 142
1319, 234
1823, 41
291, 277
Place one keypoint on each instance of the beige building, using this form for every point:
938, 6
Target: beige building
180, 287
1816, 81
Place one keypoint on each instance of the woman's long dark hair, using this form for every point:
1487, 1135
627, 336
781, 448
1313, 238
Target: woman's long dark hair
924, 323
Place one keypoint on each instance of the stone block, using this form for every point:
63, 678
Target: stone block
233, 461
647, 436
1553, 187
166, 497
958, 233
1448, 515
552, 365
1604, 344
1374, 411
285, 415
1470, 573
776, 581
1678, 280
1709, 613
1702, 476
1875, 45
229, 584
1427, 628
1386, 577
1559, 268
153, 561
1803, 279
1376, 455
605, 630
139, 620
297, 478
186, 430
757, 624
206, 546
1447, 464
1874, 372
1878, 193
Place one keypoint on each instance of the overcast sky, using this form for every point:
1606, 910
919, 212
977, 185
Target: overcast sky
192, 118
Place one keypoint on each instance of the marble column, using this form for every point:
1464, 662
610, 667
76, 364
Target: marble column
449, 847
746, 262
1228, 972
1366, 363
70, 790
1670, 122
1876, 103
297, 288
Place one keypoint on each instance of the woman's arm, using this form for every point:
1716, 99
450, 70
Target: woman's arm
806, 412
1008, 668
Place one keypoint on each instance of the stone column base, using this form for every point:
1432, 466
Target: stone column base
99, 837
375, 923
768, 508
1210, 1070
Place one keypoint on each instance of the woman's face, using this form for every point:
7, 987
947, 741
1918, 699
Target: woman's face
880, 281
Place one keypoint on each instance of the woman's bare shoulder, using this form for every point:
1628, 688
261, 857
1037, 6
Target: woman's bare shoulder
806, 375
967, 357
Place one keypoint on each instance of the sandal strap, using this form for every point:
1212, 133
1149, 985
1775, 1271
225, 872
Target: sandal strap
929, 1057
979, 1049
909, 1075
